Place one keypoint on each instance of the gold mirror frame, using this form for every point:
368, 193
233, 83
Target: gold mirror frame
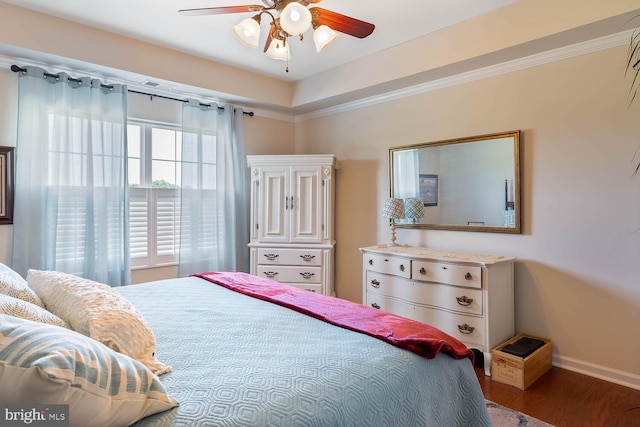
439, 174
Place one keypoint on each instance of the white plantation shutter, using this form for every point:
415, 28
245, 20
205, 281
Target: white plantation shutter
154, 226
70, 231
138, 219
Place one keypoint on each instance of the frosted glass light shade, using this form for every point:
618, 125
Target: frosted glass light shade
248, 32
278, 50
295, 19
323, 36
393, 208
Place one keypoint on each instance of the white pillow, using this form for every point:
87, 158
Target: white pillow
97, 311
14, 285
25, 310
46, 365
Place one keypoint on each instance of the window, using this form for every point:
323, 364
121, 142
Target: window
155, 170
154, 193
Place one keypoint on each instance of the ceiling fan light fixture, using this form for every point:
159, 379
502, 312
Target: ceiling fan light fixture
278, 49
295, 19
323, 36
248, 31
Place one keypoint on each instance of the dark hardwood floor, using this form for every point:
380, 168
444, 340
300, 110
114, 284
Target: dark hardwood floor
568, 399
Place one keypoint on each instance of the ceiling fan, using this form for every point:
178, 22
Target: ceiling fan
289, 18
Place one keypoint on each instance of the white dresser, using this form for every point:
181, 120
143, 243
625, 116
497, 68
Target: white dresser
469, 296
292, 215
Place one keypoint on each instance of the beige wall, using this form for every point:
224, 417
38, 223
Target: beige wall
578, 269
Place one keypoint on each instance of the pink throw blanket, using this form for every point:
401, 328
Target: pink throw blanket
420, 338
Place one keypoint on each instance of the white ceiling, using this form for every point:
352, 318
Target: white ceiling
210, 37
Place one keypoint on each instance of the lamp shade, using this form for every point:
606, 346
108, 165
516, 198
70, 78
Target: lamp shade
393, 208
278, 49
413, 207
323, 36
295, 19
248, 31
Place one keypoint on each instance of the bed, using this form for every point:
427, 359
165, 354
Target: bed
243, 359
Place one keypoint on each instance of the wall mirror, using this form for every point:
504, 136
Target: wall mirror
466, 184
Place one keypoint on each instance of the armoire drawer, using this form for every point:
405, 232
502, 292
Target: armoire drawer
295, 256
466, 328
452, 274
307, 287
389, 265
291, 274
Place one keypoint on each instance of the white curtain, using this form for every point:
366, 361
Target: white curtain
214, 217
71, 179
406, 170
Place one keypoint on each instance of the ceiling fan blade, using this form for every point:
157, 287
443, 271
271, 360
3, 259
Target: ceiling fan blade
343, 23
221, 10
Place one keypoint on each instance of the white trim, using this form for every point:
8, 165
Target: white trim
626, 379
559, 54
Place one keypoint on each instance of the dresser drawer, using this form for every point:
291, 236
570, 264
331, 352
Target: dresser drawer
390, 265
385, 284
279, 256
291, 274
468, 329
452, 274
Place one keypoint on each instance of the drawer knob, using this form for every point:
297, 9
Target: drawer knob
464, 300
370, 262
375, 283
307, 275
307, 257
466, 329
401, 267
468, 276
444, 267
423, 271
271, 274
376, 306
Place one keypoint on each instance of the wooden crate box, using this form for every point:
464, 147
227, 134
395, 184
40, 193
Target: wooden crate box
517, 371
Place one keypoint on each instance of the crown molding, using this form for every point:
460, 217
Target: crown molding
554, 55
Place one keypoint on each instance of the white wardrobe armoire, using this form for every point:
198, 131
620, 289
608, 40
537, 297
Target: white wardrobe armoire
292, 219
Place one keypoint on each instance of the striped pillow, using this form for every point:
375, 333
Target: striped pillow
44, 364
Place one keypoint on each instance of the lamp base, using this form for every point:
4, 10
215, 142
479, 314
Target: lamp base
393, 234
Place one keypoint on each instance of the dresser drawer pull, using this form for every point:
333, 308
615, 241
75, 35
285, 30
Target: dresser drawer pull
307, 275
307, 257
444, 267
376, 306
466, 329
271, 274
401, 267
375, 283
370, 262
468, 276
271, 257
423, 271
464, 300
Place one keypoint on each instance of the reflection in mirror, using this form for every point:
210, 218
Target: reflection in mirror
468, 184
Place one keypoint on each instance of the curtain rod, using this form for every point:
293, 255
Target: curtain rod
17, 69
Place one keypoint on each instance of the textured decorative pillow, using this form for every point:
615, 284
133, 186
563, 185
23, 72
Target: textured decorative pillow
25, 310
14, 285
43, 364
97, 311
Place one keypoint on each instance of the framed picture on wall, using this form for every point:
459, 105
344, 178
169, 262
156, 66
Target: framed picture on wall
7, 164
429, 189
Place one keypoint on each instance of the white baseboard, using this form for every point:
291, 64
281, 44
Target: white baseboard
626, 379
